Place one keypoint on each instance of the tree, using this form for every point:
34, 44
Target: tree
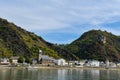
21, 59
27, 60
10, 60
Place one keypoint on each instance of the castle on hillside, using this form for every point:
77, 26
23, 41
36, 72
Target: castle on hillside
102, 39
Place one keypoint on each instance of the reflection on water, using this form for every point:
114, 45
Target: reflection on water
58, 74
110, 74
61, 74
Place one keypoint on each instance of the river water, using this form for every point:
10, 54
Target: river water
59, 74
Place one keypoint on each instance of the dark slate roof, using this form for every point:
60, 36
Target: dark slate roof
46, 57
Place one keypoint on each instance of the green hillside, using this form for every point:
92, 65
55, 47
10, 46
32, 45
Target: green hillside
17, 41
88, 46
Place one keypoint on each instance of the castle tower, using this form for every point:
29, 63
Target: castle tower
39, 56
102, 39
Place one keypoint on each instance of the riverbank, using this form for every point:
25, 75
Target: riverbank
55, 67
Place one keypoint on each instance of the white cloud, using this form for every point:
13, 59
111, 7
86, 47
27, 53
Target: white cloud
65, 15
55, 14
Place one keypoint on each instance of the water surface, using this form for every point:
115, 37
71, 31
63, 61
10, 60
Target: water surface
58, 74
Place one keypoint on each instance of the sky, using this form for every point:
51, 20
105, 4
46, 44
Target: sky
62, 21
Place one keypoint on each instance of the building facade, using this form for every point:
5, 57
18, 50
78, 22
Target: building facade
45, 59
60, 62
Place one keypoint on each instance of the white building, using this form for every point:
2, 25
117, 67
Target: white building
118, 65
93, 63
82, 62
4, 61
112, 65
14, 60
60, 62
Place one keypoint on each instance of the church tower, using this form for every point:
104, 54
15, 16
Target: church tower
39, 56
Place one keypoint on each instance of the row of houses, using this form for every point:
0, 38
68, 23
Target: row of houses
42, 59
47, 60
95, 63
8, 61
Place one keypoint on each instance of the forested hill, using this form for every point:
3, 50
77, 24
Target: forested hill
94, 44
91, 46
15, 41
